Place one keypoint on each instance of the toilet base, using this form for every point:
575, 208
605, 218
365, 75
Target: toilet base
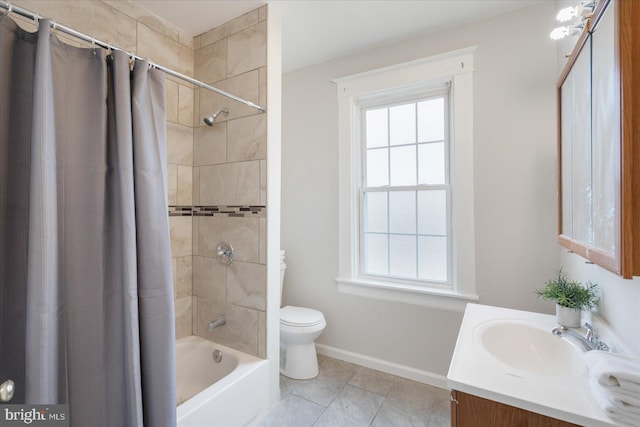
299, 361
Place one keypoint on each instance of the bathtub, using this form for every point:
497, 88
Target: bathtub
226, 394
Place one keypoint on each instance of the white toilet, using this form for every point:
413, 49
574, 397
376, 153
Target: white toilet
299, 328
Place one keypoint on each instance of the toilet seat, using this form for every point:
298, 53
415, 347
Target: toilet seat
300, 316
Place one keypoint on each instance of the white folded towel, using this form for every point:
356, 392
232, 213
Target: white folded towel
614, 370
602, 396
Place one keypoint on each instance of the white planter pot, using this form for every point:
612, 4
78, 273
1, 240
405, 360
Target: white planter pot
568, 317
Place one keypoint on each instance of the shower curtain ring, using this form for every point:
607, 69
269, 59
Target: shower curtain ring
36, 19
9, 8
54, 25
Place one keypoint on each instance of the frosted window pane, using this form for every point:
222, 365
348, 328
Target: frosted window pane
432, 212
432, 258
375, 217
402, 212
402, 255
377, 128
377, 167
403, 124
403, 165
376, 256
431, 163
431, 120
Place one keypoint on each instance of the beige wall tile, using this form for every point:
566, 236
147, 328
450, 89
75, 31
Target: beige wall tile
241, 330
184, 316
262, 238
247, 138
247, 50
185, 105
195, 226
171, 96
90, 17
184, 273
179, 144
196, 186
263, 183
241, 22
213, 35
141, 14
194, 316
262, 86
262, 334
245, 86
246, 284
242, 233
210, 144
172, 184
209, 278
186, 40
164, 51
230, 184
185, 186
197, 119
181, 236
196, 43
211, 62
262, 13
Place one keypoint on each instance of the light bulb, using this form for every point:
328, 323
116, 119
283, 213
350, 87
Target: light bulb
568, 13
559, 33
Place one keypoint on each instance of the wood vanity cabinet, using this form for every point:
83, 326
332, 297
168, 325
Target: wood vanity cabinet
599, 141
468, 410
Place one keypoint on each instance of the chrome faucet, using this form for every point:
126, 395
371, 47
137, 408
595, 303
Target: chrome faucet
220, 321
590, 341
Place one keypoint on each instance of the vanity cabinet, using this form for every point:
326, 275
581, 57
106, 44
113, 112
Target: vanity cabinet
599, 141
468, 410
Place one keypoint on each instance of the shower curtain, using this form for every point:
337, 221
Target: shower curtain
86, 298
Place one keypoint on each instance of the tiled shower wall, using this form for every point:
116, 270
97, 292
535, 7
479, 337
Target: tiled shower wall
222, 170
130, 27
229, 182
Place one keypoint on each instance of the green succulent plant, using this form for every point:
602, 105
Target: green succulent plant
570, 293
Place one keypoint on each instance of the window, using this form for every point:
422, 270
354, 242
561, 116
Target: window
405, 191
406, 182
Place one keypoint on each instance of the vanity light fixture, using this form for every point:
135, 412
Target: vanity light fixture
581, 11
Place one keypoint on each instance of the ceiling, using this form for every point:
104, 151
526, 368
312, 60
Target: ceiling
315, 31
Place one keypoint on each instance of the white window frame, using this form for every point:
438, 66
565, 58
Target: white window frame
455, 68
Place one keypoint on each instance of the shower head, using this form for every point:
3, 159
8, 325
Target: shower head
210, 120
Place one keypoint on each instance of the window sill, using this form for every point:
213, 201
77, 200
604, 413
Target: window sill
445, 299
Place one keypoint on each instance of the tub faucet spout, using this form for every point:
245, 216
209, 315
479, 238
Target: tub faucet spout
215, 323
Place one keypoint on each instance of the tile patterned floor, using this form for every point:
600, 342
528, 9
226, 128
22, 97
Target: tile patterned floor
345, 394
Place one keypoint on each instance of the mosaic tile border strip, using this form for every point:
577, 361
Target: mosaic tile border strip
229, 211
180, 210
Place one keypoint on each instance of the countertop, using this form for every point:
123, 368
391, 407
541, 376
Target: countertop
477, 372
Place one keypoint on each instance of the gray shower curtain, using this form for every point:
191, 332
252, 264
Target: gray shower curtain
86, 299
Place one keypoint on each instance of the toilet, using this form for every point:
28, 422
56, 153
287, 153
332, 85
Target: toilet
299, 328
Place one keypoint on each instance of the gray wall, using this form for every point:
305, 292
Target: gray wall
515, 187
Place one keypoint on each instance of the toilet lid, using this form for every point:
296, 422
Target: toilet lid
300, 316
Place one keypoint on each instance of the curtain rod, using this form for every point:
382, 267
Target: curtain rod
35, 17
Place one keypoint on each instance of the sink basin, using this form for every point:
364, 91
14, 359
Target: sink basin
529, 348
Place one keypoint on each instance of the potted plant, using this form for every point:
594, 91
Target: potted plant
571, 297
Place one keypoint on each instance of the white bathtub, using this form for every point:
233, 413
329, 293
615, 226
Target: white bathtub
231, 393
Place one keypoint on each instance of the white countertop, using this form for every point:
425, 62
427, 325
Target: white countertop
475, 371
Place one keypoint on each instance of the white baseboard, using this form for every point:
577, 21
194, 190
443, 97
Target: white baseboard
403, 371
